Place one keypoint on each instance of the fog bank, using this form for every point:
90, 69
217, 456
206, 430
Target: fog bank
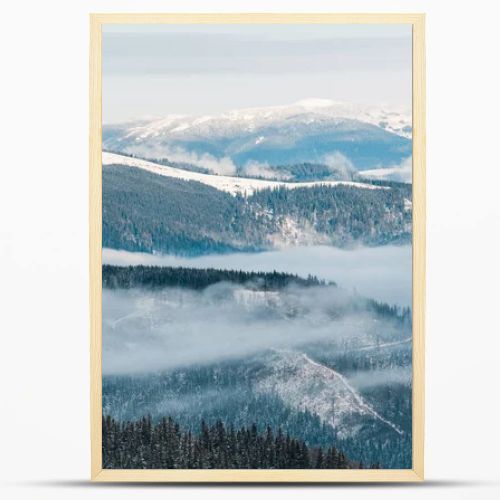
369, 379
382, 273
149, 331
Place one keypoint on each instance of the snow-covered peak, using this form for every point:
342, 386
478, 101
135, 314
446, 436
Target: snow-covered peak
391, 119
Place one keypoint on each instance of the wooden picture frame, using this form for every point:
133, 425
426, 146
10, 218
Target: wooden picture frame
296, 475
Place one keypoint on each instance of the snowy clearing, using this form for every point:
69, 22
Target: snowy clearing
232, 185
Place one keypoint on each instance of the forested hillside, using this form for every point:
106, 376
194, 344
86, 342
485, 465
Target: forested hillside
143, 444
227, 392
159, 277
150, 213
298, 172
298, 389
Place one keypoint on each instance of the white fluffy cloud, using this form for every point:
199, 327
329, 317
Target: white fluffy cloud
339, 164
258, 169
220, 166
400, 173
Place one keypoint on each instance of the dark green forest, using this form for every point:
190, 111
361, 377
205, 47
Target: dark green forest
308, 171
143, 444
153, 277
226, 392
151, 213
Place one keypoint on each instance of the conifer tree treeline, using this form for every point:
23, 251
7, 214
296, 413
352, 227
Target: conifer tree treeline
144, 444
197, 279
156, 277
150, 213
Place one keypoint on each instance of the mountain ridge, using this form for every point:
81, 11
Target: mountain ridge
233, 185
146, 212
308, 131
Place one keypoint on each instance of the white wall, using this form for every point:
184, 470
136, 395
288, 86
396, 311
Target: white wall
44, 443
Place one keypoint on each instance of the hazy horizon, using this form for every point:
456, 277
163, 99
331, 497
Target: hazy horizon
156, 70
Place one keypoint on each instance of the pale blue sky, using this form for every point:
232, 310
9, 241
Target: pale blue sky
154, 70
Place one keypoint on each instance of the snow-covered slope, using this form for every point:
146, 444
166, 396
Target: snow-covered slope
232, 185
395, 120
313, 130
304, 384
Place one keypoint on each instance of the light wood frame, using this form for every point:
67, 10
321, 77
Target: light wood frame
95, 178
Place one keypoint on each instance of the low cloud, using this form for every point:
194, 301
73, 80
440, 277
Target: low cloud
399, 173
368, 379
220, 166
382, 273
339, 165
264, 170
146, 331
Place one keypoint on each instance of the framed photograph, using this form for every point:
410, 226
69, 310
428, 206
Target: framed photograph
257, 247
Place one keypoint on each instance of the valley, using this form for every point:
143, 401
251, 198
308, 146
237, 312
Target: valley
264, 348
244, 296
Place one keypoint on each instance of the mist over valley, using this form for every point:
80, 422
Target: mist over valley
257, 274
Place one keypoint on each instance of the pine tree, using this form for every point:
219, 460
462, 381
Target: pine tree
320, 460
143, 444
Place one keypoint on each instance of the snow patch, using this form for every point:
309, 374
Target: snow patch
305, 384
232, 185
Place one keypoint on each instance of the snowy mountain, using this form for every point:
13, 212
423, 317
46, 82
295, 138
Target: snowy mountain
313, 130
395, 120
